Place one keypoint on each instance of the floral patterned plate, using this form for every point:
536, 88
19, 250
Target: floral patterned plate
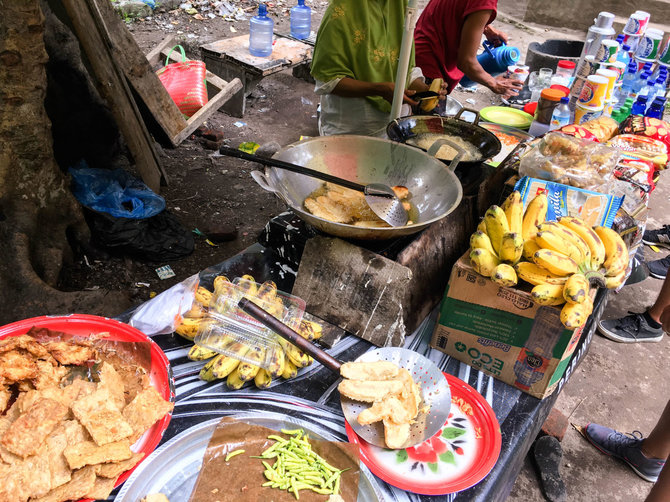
456, 458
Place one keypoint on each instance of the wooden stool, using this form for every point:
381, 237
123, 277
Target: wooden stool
229, 58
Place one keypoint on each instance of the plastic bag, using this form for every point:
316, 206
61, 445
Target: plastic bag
163, 313
114, 192
156, 239
570, 161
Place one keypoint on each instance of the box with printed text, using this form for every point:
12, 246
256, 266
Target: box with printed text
503, 332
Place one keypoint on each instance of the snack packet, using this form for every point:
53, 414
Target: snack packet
642, 147
646, 126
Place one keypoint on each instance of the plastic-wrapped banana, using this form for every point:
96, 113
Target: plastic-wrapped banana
249, 370
188, 328
199, 353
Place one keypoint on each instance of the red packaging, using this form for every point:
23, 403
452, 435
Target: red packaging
578, 132
645, 126
639, 172
642, 147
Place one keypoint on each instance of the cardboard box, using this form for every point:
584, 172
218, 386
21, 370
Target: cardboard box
503, 332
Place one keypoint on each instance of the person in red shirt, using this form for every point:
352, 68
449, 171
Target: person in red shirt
447, 37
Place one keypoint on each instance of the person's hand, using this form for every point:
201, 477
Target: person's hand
495, 37
665, 319
443, 91
386, 90
508, 87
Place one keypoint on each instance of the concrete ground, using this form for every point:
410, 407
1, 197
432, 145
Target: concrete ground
618, 385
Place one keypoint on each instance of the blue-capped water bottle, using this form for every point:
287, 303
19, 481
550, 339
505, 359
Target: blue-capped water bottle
260, 33
640, 106
561, 115
656, 109
301, 21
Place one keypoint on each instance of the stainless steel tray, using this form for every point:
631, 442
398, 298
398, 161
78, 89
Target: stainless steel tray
173, 468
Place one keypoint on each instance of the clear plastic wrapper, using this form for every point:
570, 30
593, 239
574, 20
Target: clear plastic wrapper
570, 161
228, 330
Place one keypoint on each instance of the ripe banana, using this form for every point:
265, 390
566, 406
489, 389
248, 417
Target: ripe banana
203, 296
529, 248
188, 328
234, 381
533, 274
572, 237
536, 213
267, 291
480, 240
589, 236
496, 226
199, 353
505, 275
482, 226
223, 365
576, 289
616, 280
197, 311
277, 362
574, 315
249, 369
513, 208
294, 354
555, 262
248, 285
310, 330
263, 379
206, 371
290, 370
553, 240
616, 253
511, 248
548, 294
427, 105
222, 285
483, 261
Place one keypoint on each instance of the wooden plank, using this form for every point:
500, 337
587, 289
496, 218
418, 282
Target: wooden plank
113, 88
131, 60
155, 54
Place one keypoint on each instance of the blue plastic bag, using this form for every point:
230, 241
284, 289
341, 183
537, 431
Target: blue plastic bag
114, 192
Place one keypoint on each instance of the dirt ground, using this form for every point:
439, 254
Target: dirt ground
618, 385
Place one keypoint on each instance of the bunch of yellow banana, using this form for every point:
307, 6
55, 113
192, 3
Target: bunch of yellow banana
566, 258
283, 363
497, 244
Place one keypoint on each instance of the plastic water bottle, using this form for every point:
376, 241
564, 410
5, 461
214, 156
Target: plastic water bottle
260, 33
623, 55
640, 83
561, 115
640, 106
301, 21
656, 109
660, 86
649, 89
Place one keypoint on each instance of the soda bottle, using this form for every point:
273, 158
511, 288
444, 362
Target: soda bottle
301, 21
260, 33
561, 115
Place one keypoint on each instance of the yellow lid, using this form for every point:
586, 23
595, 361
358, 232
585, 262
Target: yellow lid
552, 94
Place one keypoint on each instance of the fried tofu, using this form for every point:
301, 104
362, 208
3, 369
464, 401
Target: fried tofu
5, 455
378, 370
101, 417
102, 487
89, 453
69, 353
68, 432
28, 432
16, 365
78, 487
35, 474
5, 397
369, 391
145, 410
114, 470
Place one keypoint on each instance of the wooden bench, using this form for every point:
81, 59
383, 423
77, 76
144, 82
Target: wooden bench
229, 59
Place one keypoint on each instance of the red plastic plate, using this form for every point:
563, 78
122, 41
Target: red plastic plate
84, 325
456, 458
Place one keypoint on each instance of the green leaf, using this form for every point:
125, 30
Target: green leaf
452, 432
433, 466
401, 456
448, 457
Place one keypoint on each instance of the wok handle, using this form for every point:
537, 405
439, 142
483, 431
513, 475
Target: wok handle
262, 181
289, 335
464, 109
438, 143
280, 164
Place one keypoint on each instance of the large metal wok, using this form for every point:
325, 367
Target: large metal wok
413, 127
435, 190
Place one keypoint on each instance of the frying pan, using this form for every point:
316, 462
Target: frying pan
434, 386
413, 127
435, 191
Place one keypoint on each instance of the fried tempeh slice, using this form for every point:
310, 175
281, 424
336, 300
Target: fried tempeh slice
146, 409
5, 396
101, 417
25, 342
114, 470
89, 453
101, 488
48, 375
112, 381
5, 455
17, 365
369, 391
68, 432
70, 353
12, 488
78, 487
35, 474
378, 370
29, 431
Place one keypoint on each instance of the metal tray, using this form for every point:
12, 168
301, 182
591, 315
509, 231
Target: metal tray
174, 467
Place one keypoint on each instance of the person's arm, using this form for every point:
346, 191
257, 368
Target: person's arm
471, 36
352, 88
496, 37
